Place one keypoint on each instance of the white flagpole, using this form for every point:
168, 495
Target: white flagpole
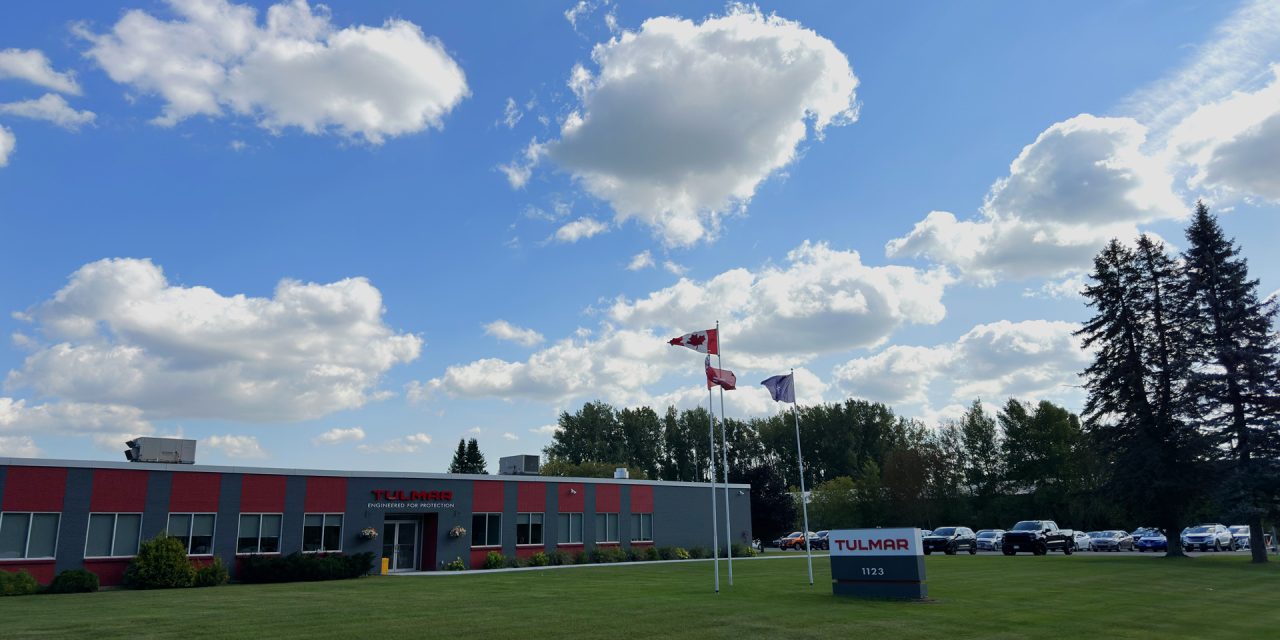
803, 502
715, 536
724, 453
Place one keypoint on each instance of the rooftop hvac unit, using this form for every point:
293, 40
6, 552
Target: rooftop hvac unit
518, 466
161, 450
621, 473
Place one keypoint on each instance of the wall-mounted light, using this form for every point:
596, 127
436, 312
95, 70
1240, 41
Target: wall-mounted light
573, 492
741, 492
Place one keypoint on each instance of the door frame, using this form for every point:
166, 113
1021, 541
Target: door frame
412, 539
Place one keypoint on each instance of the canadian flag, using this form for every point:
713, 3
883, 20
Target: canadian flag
722, 377
701, 341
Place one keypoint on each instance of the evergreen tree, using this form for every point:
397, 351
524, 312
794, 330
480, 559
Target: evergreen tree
982, 469
475, 462
459, 463
1237, 382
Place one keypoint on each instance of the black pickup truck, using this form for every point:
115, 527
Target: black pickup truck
1038, 537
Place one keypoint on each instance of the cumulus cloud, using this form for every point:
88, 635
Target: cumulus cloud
50, 107
338, 436
511, 114
681, 121
642, 260
579, 229
297, 69
510, 436
236, 446
34, 67
18, 447
119, 333
411, 443
546, 430
72, 418
1082, 182
8, 142
503, 330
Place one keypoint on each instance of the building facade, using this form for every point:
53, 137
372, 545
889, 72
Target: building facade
60, 514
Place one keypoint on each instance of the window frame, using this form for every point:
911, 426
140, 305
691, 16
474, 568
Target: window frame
542, 530
115, 523
617, 535
637, 531
488, 530
260, 515
213, 537
324, 519
26, 543
569, 530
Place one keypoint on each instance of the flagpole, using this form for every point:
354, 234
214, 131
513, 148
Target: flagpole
715, 536
804, 504
724, 453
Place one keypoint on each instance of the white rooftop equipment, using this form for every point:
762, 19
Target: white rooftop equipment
161, 450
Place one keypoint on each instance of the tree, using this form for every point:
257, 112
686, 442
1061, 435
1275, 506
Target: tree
475, 460
773, 507
642, 430
459, 463
1237, 381
565, 469
982, 469
592, 434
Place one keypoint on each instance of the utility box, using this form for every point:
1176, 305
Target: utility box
525, 465
161, 450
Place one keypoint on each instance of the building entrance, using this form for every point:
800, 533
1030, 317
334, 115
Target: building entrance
400, 544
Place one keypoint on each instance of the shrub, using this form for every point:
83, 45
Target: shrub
581, 557
743, 551
560, 558
74, 581
161, 563
297, 567
682, 554
212, 574
539, 559
649, 554
517, 562
495, 560
17, 584
455, 565
697, 553
608, 554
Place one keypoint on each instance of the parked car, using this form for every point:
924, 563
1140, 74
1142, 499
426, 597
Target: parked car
1081, 541
1208, 536
1114, 540
1038, 537
820, 540
784, 541
949, 540
1142, 532
990, 539
1240, 533
1153, 542
926, 532
796, 541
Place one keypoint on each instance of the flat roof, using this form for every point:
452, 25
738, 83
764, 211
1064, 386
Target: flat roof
205, 468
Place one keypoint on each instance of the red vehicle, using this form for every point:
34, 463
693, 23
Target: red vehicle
796, 541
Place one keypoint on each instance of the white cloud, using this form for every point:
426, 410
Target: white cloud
18, 447
546, 430
8, 142
72, 418
236, 446
503, 330
238, 145
475, 431
408, 444
579, 229
1069, 288
337, 436
511, 114
1082, 182
642, 260
681, 122
295, 70
674, 268
510, 436
33, 66
121, 334
50, 107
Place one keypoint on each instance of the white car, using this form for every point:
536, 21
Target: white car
1240, 534
1081, 541
1206, 537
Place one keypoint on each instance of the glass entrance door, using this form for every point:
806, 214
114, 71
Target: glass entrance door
399, 544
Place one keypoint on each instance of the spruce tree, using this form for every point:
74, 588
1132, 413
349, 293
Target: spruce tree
1237, 382
475, 462
459, 463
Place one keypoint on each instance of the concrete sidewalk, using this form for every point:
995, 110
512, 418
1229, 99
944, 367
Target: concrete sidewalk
469, 572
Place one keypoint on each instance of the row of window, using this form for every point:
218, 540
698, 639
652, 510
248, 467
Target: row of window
486, 528
117, 535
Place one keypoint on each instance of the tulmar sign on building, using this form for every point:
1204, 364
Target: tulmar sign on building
877, 563
402, 499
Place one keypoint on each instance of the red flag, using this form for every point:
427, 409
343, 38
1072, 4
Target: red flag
722, 377
701, 341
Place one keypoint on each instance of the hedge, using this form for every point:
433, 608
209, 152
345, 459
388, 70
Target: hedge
297, 567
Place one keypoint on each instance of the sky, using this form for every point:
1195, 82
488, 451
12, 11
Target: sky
348, 235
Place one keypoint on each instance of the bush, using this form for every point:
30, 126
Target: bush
649, 554
581, 557
74, 581
697, 553
539, 559
212, 574
517, 563
161, 563
560, 558
297, 567
743, 550
455, 565
17, 584
608, 554
494, 560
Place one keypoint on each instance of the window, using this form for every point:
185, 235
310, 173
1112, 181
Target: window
569, 528
28, 535
113, 535
259, 533
642, 527
606, 527
195, 530
486, 530
321, 532
528, 528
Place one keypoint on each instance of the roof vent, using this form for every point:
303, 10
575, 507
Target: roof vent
524, 465
621, 473
161, 450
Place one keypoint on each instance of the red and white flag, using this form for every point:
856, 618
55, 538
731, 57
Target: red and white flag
722, 377
701, 341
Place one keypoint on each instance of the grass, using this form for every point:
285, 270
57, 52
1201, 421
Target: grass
978, 597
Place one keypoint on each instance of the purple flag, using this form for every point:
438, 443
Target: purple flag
782, 388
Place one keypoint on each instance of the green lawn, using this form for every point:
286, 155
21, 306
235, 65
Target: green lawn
984, 596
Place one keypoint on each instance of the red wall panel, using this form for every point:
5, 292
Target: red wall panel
531, 497
34, 489
118, 491
608, 498
110, 572
641, 499
325, 495
41, 570
486, 496
262, 494
195, 492
570, 497
478, 556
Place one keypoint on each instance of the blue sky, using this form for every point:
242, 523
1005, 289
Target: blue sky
348, 236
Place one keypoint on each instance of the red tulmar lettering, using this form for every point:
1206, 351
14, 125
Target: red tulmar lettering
400, 495
886, 544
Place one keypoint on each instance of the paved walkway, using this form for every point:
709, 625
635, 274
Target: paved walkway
776, 556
